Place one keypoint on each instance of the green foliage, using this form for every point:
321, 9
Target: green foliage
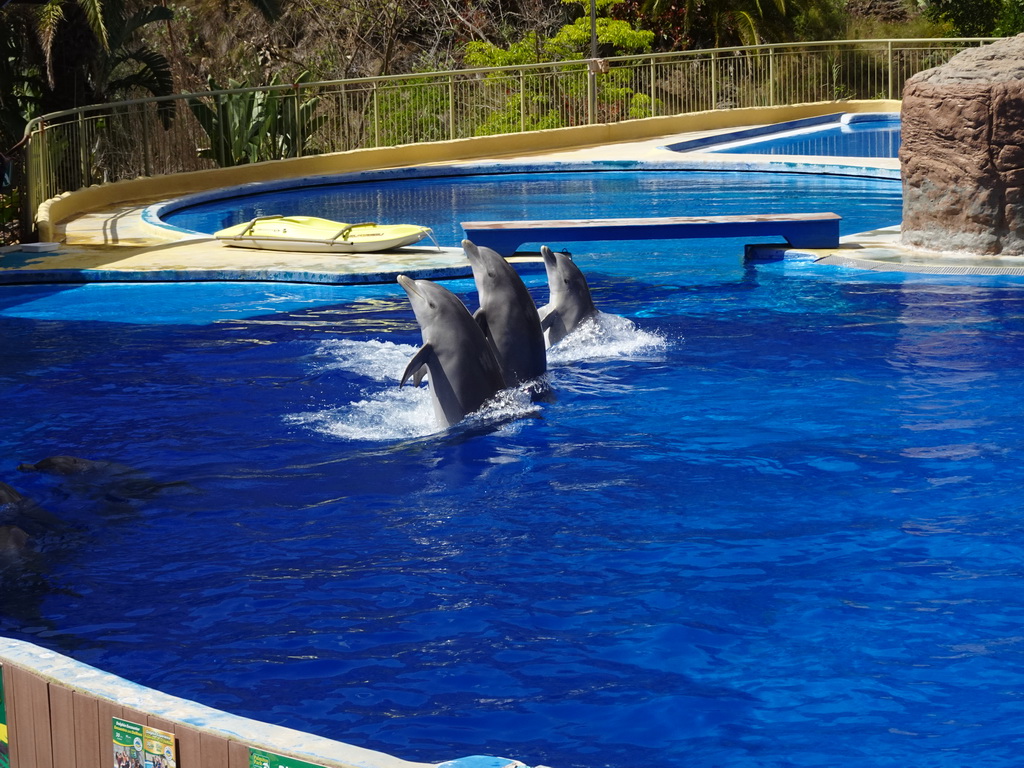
917, 25
413, 110
9, 211
129, 67
979, 18
540, 107
252, 126
572, 41
1011, 18
683, 24
968, 18
21, 85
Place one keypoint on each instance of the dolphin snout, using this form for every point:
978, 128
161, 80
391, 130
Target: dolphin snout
408, 284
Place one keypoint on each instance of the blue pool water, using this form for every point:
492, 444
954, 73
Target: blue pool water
773, 520
875, 138
864, 135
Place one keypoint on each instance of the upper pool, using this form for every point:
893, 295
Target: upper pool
868, 135
442, 202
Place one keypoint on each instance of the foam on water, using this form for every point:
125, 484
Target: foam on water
604, 337
387, 412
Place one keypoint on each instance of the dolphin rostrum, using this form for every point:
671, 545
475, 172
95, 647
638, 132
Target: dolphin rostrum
462, 371
569, 303
507, 316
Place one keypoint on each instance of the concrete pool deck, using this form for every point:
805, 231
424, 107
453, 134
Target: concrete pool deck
121, 242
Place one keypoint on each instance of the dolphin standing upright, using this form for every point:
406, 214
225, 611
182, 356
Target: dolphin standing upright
569, 303
507, 316
462, 371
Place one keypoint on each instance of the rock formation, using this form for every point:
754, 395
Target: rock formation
963, 152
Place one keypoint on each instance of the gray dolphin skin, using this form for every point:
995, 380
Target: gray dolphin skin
507, 315
462, 371
569, 303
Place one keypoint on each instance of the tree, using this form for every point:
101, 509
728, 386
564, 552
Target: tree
979, 18
571, 41
555, 103
683, 24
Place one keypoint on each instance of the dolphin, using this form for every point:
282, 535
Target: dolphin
507, 316
461, 368
13, 544
65, 465
15, 506
9, 495
116, 482
569, 303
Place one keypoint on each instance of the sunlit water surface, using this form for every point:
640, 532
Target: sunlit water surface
771, 515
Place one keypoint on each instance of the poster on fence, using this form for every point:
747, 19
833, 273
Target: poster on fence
260, 759
139, 746
5, 751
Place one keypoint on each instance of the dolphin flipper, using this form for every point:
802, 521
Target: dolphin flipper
418, 365
553, 325
548, 315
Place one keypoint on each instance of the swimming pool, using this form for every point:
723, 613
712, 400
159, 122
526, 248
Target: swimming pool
442, 202
775, 522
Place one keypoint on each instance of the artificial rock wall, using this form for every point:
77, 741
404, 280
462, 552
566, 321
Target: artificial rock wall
962, 155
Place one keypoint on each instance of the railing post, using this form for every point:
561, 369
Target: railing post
147, 166
888, 59
376, 116
522, 101
221, 154
654, 108
591, 94
451, 106
714, 80
771, 77
84, 166
32, 181
299, 138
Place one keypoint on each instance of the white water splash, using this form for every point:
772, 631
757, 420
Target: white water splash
380, 360
388, 413
385, 412
607, 337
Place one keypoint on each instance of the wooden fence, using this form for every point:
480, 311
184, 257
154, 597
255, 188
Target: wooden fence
59, 713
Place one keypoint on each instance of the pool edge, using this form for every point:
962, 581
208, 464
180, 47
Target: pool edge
50, 697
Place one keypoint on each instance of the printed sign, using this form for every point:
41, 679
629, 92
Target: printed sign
5, 750
260, 759
139, 746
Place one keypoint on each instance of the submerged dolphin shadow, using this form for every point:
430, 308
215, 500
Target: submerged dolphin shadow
102, 480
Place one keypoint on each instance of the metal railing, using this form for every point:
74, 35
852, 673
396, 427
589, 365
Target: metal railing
108, 142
